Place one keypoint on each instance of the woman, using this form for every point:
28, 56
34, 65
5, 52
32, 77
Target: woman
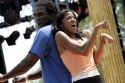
77, 49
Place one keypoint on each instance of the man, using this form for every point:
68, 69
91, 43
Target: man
43, 48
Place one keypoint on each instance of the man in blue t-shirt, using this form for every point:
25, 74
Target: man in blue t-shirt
43, 48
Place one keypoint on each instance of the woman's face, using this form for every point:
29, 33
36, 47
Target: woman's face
69, 23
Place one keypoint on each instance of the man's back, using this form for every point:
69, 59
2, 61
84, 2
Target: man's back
53, 70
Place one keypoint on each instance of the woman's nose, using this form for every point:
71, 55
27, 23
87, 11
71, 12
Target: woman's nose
73, 19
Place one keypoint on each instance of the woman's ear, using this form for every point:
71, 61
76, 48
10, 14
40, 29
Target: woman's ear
61, 26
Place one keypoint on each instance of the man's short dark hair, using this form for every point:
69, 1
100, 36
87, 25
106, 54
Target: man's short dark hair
49, 5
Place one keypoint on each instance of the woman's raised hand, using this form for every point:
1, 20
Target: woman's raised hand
103, 25
104, 37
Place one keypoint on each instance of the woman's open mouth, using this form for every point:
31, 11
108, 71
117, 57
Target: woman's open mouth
74, 26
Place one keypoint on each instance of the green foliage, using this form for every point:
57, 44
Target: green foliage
121, 20
36, 81
119, 13
86, 23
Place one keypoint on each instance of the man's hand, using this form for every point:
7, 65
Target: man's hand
1, 78
20, 79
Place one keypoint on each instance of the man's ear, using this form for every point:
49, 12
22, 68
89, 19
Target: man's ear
52, 15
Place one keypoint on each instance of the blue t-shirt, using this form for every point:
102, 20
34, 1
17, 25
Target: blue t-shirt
44, 46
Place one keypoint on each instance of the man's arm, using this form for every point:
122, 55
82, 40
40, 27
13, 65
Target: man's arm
27, 63
31, 76
35, 75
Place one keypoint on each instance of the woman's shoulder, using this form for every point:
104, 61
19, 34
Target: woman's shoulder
61, 35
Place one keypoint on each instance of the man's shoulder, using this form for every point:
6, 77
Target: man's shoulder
46, 30
48, 27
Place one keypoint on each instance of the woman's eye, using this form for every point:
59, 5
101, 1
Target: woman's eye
68, 18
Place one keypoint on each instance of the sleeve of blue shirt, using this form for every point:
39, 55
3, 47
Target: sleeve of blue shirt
40, 44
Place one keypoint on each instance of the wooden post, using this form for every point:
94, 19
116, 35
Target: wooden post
112, 64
